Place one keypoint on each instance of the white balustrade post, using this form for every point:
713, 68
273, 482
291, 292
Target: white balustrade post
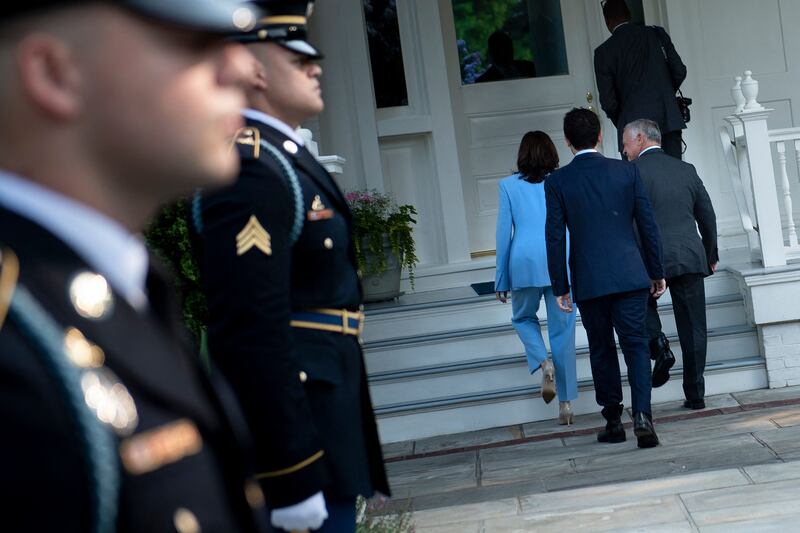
787, 192
765, 193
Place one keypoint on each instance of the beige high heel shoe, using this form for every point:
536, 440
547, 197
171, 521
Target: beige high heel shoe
565, 414
548, 381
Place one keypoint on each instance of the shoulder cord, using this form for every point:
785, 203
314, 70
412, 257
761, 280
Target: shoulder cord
294, 184
98, 442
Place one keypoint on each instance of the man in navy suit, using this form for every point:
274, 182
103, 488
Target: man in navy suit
600, 200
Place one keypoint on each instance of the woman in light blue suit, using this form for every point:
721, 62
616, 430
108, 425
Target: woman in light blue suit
522, 269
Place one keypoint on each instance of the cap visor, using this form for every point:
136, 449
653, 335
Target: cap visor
301, 47
216, 16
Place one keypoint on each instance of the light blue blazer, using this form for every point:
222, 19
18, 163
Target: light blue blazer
520, 243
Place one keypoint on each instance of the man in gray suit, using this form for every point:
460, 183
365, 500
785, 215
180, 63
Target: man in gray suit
681, 206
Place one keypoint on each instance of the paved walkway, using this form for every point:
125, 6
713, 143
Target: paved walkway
733, 467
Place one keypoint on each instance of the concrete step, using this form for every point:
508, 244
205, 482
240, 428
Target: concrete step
518, 405
464, 344
445, 311
413, 385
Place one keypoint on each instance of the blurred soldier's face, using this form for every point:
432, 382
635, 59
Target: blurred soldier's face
147, 107
292, 86
632, 145
163, 104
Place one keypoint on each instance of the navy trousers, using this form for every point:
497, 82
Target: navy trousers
625, 313
341, 516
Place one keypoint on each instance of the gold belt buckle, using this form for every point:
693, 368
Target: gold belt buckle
345, 321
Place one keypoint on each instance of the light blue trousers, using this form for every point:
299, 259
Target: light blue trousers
560, 329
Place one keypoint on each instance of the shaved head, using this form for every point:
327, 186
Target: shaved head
115, 110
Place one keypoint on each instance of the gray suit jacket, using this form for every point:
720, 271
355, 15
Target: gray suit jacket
679, 199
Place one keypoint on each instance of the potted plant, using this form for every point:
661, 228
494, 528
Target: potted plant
384, 242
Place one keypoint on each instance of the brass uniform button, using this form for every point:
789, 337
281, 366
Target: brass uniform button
262, 34
185, 521
303, 377
328, 243
254, 495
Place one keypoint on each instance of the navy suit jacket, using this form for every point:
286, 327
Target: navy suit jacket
600, 200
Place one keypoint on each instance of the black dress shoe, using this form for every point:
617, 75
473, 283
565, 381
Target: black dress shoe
645, 432
614, 433
664, 359
694, 404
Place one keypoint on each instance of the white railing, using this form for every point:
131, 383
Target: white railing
747, 146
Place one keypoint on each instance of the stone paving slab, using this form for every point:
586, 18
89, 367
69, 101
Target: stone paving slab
472, 438
476, 511
432, 474
608, 494
639, 514
582, 422
719, 401
767, 395
398, 449
773, 472
738, 504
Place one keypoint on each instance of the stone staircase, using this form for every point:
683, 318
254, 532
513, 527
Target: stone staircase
449, 361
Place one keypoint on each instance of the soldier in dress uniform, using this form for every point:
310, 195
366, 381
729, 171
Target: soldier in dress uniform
283, 293
108, 423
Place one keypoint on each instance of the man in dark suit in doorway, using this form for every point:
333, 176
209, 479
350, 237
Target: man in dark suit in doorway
600, 200
638, 72
681, 206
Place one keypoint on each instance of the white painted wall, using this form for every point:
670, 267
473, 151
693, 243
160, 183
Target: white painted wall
445, 151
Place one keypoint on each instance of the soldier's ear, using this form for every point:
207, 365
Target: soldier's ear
259, 80
49, 75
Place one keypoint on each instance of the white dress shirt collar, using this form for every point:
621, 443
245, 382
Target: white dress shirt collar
105, 245
648, 149
273, 122
585, 151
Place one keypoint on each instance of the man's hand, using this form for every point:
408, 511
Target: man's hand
502, 296
658, 287
714, 266
565, 303
308, 514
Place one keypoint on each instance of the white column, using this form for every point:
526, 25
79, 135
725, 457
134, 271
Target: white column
765, 193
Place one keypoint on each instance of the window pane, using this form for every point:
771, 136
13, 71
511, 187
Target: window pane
385, 53
509, 39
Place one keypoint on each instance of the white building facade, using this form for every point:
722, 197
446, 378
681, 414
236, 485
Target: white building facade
445, 150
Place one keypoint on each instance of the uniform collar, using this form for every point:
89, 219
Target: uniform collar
618, 26
269, 120
105, 245
586, 151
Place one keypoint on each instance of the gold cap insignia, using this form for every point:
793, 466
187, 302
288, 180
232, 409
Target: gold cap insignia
152, 449
91, 295
249, 136
253, 235
110, 400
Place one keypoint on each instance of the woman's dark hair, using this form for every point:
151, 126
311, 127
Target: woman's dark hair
537, 156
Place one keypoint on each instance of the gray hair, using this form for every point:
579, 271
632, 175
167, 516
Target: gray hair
646, 127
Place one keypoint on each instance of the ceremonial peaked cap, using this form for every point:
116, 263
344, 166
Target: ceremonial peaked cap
216, 16
283, 22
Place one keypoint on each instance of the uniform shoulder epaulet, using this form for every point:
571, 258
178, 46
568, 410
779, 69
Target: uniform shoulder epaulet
249, 136
9, 274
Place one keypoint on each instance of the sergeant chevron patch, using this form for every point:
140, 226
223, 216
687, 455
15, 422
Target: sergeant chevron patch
253, 235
